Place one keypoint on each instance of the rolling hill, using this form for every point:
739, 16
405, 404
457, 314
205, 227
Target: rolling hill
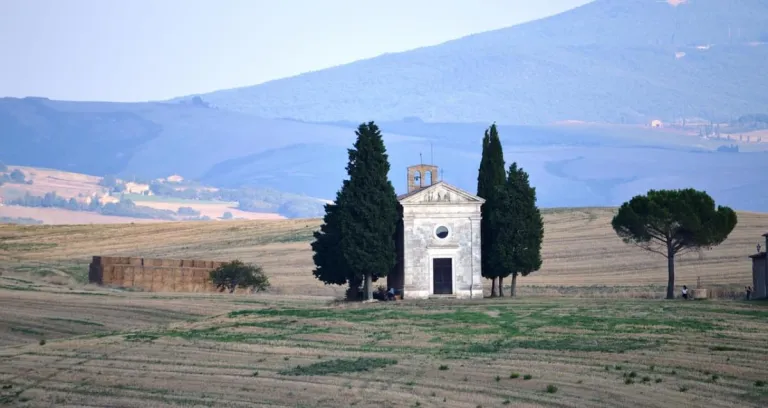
620, 61
567, 163
601, 71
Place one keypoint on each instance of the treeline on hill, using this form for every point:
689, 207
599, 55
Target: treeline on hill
747, 123
16, 176
124, 208
248, 199
19, 220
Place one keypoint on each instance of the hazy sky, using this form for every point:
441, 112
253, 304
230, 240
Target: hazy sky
136, 50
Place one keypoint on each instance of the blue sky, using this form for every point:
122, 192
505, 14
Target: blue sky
137, 50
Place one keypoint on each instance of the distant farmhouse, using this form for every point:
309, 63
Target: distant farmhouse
438, 240
138, 188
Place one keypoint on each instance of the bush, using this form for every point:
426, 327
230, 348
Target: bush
551, 389
17, 176
188, 211
108, 181
227, 216
237, 274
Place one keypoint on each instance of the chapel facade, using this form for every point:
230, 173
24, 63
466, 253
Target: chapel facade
438, 239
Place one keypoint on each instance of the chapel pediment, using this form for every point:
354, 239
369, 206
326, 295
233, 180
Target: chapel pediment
439, 193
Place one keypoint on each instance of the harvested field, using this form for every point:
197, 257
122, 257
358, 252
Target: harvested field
278, 351
60, 216
212, 210
64, 183
582, 255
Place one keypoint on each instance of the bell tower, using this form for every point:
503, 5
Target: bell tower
421, 176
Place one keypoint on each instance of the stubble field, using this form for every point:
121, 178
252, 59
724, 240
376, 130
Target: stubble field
273, 351
582, 255
64, 343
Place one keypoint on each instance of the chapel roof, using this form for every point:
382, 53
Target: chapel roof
461, 193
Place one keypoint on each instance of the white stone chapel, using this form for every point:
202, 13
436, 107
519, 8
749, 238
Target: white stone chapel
438, 241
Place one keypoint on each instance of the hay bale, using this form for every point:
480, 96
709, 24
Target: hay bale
108, 275
138, 277
699, 293
122, 260
118, 274
128, 272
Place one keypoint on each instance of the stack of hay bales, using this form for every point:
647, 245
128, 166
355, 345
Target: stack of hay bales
154, 275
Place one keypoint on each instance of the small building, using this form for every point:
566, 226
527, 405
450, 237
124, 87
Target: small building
760, 272
137, 188
657, 124
175, 179
438, 240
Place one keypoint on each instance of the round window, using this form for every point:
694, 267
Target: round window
441, 232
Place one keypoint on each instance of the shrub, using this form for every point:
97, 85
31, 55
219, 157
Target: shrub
17, 176
527, 377
759, 383
514, 375
237, 274
551, 389
188, 211
227, 216
443, 367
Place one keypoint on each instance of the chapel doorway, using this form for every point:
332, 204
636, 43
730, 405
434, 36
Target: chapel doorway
442, 276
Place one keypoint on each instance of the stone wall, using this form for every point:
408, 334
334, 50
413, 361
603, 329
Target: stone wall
154, 275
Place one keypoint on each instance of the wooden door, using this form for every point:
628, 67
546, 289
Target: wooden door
442, 276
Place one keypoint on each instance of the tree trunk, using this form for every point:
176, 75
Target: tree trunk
501, 286
671, 272
493, 287
368, 286
513, 289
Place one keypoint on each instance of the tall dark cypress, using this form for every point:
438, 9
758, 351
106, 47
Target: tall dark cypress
490, 176
329, 261
368, 213
520, 228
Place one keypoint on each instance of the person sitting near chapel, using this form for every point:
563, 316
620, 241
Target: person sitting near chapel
685, 292
391, 294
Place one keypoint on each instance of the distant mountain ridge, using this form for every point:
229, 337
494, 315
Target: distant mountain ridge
607, 61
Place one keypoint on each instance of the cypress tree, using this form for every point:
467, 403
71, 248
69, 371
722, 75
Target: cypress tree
490, 176
329, 261
516, 247
368, 213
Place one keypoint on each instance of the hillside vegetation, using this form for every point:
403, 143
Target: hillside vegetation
610, 61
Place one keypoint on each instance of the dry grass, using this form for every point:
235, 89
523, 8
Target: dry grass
582, 255
63, 343
211, 210
60, 216
277, 351
64, 183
